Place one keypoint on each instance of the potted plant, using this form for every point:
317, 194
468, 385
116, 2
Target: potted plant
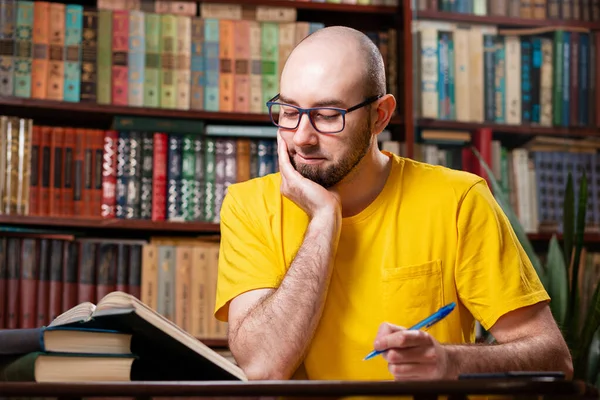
583, 339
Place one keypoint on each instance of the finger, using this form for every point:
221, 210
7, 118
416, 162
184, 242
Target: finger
386, 328
412, 371
419, 355
403, 339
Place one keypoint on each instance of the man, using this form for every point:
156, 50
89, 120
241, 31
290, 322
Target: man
346, 246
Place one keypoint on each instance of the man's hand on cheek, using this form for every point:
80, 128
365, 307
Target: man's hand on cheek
411, 354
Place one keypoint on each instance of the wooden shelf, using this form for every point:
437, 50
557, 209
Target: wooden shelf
29, 107
504, 21
516, 129
109, 224
588, 238
309, 5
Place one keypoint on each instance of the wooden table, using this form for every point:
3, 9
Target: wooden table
535, 388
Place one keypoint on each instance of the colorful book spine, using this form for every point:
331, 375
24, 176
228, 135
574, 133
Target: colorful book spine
209, 178
41, 43
152, 62
199, 184
8, 10
159, 176
211, 66
89, 50
23, 49
226, 61
188, 169
122, 174
56, 73
136, 59
133, 176
73, 30
120, 46
104, 57
146, 176
182, 65
198, 80
167, 53
174, 172
270, 60
241, 76
256, 103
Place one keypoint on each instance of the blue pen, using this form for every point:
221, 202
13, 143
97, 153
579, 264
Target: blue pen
426, 323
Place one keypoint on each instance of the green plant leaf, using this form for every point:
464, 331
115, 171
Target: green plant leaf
568, 220
580, 351
592, 361
580, 229
504, 203
558, 282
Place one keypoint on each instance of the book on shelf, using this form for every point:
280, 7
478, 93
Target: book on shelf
159, 349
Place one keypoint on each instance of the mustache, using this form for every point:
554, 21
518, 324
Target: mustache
307, 153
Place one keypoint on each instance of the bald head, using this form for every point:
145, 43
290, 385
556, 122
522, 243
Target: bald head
333, 57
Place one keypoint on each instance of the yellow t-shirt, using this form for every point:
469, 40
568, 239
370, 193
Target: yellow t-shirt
432, 236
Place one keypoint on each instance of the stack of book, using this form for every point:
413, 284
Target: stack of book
119, 339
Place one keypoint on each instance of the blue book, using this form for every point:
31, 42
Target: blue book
73, 30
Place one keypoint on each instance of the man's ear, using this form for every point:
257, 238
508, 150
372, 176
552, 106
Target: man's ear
383, 112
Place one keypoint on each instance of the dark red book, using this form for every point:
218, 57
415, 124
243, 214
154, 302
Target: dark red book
159, 177
86, 274
3, 282
55, 282
29, 283
43, 288
70, 262
13, 261
106, 268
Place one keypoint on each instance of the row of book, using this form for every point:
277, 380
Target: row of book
193, 7
481, 74
133, 171
533, 176
43, 275
216, 62
580, 10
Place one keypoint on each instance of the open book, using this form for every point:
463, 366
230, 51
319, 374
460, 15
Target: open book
164, 350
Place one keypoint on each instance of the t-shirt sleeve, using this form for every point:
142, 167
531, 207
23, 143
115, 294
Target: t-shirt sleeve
246, 258
493, 273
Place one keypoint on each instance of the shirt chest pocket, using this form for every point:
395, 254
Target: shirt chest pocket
413, 292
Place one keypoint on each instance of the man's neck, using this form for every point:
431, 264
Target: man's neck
362, 186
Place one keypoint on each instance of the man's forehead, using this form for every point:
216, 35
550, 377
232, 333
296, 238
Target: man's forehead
324, 101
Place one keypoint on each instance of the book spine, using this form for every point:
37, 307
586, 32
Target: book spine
546, 76
122, 270
70, 262
34, 182
56, 170
8, 10
123, 152
86, 274
574, 79
500, 81
97, 191
159, 177
270, 60
166, 280
67, 192
23, 49
109, 174
56, 286
174, 211
104, 57
136, 59
256, 104
242, 66
134, 276
89, 53
73, 29
167, 54
152, 61
28, 284
198, 80
211, 64
56, 75
88, 172
78, 169
226, 61
584, 78
209, 178
43, 294
40, 56
489, 63
187, 176
146, 176
536, 66
199, 184
106, 269
526, 86
566, 80
133, 173
45, 170
183, 60
120, 45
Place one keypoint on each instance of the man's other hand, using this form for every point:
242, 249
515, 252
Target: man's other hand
308, 195
411, 354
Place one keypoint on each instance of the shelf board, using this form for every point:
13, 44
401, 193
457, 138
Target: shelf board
111, 110
516, 129
310, 5
504, 21
588, 238
109, 224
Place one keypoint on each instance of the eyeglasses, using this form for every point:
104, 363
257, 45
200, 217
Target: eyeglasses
324, 119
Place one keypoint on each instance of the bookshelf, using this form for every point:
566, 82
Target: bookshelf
393, 24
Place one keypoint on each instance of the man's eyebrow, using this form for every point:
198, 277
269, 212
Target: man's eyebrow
321, 103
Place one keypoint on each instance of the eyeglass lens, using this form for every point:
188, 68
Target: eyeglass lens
324, 119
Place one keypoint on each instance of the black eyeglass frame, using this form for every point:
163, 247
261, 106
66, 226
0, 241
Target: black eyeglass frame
307, 111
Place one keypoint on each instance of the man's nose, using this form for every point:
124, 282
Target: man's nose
305, 134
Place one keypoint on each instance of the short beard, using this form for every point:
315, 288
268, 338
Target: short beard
331, 176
